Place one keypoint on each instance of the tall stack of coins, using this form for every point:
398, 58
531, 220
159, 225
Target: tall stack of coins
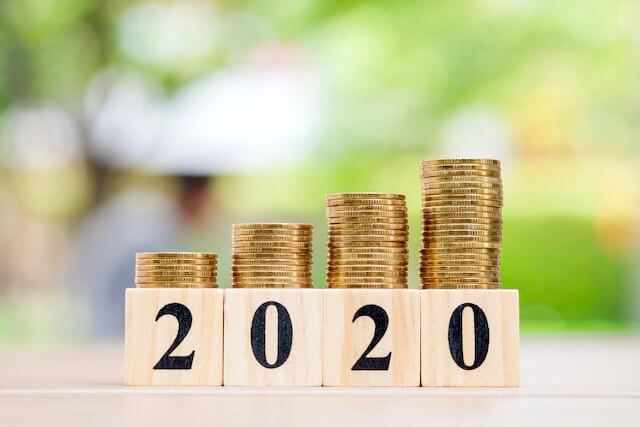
368, 236
272, 255
176, 270
462, 224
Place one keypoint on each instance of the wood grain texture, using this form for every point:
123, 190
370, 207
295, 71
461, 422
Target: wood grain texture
147, 340
501, 367
345, 340
303, 366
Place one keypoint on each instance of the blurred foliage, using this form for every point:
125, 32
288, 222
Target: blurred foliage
560, 77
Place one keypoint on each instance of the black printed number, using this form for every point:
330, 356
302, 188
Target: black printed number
381, 322
184, 318
258, 332
481, 335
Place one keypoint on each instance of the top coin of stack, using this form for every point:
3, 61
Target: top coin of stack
176, 270
272, 255
368, 235
462, 224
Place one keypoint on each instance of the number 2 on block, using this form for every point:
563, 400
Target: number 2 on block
184, 318
381, 322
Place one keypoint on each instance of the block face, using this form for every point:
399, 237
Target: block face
183, 347
470, 338
273, 337
371, 337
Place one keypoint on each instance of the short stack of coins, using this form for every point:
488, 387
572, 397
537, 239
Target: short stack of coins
461, 224
272, 255
176, 270
368, 240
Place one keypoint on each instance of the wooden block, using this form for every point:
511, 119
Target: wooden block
273, 337
470, 338
371, 337
173, 337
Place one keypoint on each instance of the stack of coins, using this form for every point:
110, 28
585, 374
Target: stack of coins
176, 270
272, 255
368, 235
462, 224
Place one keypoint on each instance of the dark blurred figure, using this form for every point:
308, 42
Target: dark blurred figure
138, 219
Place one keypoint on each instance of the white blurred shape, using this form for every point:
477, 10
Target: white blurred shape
38, 138
257, 116
476, 133
124, 113
168, 34
247, 118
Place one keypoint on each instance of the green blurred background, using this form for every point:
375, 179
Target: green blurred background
112, 113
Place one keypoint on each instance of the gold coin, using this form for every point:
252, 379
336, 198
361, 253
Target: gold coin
359, 216
158, 263
462, 262
273, 281
473, 271
271, 243
458, 191
459, 280
477, 286
240, 248
460, 226
461, 218
271, 267
273, 286
441, 240
148, 275
366, 202
443, 210
177, 285
187, 278
368, 286
385, 208
338, 269
367, 283
175, 267
434, 197
283, 255
459, 254
344, 196
436, 173
461, 167
271, 238
466, 245
434, 220
367, 261
389, 281
261, 263
456, 181
338, 245
336, 274
273, 226
176, 255
437, 162
369, 231
478, 278
442, 203
366, 238
368, 219
358, 228
377, 252
454, 234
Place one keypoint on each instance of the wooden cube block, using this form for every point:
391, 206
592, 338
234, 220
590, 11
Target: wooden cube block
173, 337
273, 337
371, 337
470, 338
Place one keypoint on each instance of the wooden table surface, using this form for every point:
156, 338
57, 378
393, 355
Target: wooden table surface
574, 381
